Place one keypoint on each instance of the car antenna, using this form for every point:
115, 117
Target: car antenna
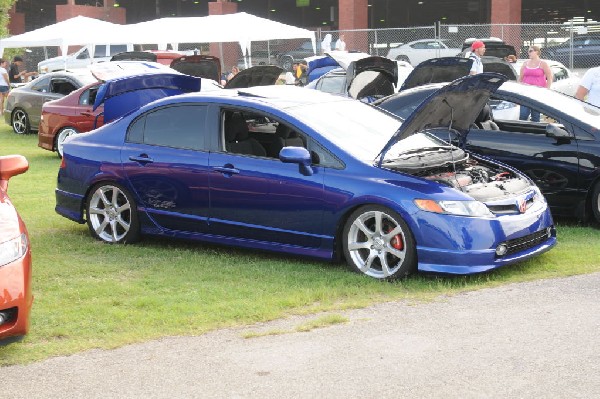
450, 142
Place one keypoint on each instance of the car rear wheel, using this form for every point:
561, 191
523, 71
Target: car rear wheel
287, 63
112, 214
596, 202
378, 243
20, 121
61, 137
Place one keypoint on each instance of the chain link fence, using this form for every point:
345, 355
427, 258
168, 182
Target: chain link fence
575, 44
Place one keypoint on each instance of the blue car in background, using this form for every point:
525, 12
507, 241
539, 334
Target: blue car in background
302, 172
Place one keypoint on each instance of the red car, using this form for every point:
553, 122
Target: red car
15, 258
74, 113
69, 115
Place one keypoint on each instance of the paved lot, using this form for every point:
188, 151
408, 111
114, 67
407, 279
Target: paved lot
528, 340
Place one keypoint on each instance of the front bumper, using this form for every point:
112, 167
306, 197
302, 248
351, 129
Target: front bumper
15, 297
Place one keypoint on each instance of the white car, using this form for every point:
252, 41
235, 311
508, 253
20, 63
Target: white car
564, 80
81, 58
420, 50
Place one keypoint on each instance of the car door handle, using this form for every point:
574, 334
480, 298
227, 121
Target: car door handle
228, 170
143, 159
85, 113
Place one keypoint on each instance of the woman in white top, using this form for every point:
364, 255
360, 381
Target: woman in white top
4, 82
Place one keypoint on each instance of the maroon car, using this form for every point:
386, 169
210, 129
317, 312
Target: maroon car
74, 113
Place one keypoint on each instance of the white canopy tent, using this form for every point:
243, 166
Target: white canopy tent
241, 27
71, 32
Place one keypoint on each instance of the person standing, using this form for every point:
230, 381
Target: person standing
15, 74
4, 83
340, 44
590, 87
477, 51
326, 44
536, 72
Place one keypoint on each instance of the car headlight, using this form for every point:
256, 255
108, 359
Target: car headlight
459, 208
12, 250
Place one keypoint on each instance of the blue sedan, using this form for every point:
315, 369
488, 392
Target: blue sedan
297, 171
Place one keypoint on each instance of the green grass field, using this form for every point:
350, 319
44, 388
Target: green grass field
93, 295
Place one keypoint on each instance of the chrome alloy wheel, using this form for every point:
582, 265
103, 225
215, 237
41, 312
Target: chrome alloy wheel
62, 136
110, 214
20, 121
376, 244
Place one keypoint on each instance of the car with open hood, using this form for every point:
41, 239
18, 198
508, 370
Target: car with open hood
15, 258
561, 153
357, 75
286, 169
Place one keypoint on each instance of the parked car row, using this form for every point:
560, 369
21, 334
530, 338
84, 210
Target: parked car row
425, 179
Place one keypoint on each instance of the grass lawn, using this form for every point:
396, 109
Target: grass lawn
93, 295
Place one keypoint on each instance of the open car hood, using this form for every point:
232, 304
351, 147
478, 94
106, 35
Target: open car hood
437, 70
319, 65
124, 94
371, 77
454, 106
498, 65
202, 66
260, 75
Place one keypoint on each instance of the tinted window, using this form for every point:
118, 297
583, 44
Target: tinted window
41, 85
180, 126
62, 86
117, 48
88, 96
83, 55
404, 105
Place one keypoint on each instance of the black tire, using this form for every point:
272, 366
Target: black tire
112, 214
19, 121
61, 137
379, 244
596, 202
287, 63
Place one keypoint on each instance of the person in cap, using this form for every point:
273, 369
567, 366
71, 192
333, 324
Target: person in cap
477, 51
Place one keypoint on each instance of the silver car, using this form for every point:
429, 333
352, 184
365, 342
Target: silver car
23, 106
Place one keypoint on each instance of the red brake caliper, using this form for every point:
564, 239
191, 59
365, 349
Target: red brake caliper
396, 241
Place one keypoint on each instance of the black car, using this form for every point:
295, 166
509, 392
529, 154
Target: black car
585, 48
287, 59
494, 47
561, 153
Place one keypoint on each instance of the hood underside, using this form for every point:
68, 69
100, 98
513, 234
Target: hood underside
260, 75
437, 70
454, 106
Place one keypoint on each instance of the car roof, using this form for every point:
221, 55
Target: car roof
277, 96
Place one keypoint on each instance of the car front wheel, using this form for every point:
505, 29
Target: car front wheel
20, 121
112, 214
61, 137
378, 243
287, 63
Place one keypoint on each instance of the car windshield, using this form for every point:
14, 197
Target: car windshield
582, 111
357, 128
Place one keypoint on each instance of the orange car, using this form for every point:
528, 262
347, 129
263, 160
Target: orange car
15, 258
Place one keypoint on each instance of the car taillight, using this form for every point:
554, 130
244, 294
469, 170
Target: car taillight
63, 163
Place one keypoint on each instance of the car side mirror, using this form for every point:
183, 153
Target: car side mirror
11, 165
555, 131
299, 155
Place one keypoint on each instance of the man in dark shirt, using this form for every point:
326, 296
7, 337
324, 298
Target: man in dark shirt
14, 74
